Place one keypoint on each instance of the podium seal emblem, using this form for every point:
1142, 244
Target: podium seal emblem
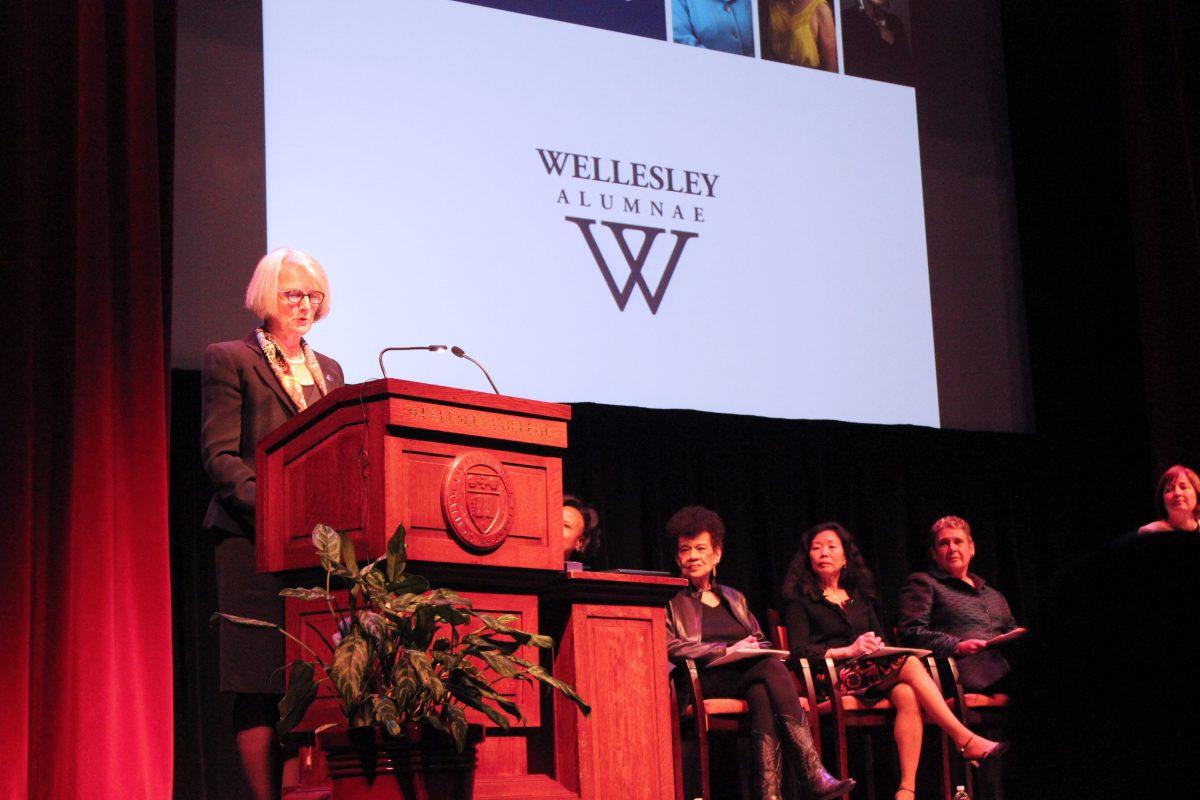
478, 500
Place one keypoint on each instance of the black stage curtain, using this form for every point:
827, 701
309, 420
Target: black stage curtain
1106, 145
1104, 99
771, 479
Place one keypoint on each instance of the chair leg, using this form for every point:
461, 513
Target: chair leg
705, 776
947, 778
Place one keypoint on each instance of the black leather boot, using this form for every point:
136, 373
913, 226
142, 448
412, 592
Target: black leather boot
814, 781
767, 763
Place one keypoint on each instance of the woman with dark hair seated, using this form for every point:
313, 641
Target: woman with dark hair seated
1177, 490
707, 620
581, 533
831, 614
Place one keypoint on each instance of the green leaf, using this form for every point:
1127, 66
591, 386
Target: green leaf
301, 692
456, 720
328, 543
404, 683
348, 558
494, 624
315, 593
408, 584
245, 622
397, 554
538, 673
424, 627
506, 646
501, 664
453, 615
386, 714
426, 676
374, 581
349, 666
375, 625
470, 697
444, 597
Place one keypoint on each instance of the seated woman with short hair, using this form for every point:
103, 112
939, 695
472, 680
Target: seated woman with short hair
705, 621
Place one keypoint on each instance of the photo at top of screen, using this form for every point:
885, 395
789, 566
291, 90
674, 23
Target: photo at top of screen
638, 17
876, 40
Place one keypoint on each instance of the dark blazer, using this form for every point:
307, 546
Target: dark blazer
242, 402
938, 611
814, 626
683, 624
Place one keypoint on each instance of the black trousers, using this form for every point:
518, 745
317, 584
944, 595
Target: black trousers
764, 683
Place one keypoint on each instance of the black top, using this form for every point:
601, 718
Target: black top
938, 611
814, 626
719, 625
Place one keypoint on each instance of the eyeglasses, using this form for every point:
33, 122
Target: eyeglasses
294, 296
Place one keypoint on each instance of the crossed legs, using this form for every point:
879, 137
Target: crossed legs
915, 693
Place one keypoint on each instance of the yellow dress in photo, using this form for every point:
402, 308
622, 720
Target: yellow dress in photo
792, 35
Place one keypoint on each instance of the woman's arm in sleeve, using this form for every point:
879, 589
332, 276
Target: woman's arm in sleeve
681, 22
916, 607
827, 39
221, 436
799, 630
679, 648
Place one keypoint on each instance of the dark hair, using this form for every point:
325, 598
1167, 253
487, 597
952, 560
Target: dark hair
801, 581
692, 521
1169, 478
589, 541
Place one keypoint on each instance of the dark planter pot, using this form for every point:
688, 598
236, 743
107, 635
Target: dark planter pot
364, 764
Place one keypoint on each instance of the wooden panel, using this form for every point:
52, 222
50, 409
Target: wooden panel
334, 463
414, 497
310, 620
317, 475
323, 483
503, 754
623, 750
475, 422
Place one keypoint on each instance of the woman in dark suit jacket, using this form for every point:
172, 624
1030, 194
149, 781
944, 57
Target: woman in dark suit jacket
250, 387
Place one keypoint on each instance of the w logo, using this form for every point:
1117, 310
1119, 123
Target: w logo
636, 263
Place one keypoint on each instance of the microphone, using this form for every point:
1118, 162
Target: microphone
430, 347
458, 351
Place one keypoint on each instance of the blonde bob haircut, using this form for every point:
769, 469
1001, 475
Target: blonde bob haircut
262, 295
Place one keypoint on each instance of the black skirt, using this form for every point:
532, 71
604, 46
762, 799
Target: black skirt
252, 659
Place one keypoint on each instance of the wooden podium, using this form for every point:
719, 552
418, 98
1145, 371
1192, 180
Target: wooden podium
477, 481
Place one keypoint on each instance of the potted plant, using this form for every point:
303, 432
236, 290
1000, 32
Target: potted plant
406, 663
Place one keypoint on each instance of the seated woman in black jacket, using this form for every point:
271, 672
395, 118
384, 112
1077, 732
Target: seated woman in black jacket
831, 614
704, 622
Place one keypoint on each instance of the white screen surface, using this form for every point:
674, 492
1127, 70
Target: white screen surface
403, 145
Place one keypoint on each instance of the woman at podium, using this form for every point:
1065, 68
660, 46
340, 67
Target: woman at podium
250, 387
707, 621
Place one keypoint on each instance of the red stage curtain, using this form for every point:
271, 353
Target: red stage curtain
86, 676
